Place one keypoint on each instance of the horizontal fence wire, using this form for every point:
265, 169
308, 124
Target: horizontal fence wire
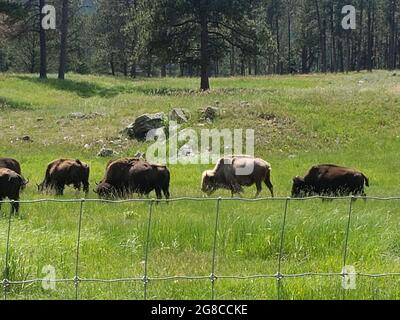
146, 278
196, 199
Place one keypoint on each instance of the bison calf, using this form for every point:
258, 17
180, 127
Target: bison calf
10, 187
330, 180
61, 173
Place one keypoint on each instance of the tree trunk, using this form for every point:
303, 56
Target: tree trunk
133, 70
333, 39
304, 60
249, 67
149, 66
392, 36
360, 38
370, 37
278, 47
341, 56
233, 62
163, 70
112, 65
204, 59
63, 40
43, 45
322, 37
289, 42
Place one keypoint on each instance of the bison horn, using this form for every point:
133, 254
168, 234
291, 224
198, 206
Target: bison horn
26, 182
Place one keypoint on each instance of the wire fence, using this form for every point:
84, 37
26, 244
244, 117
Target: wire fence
145, 279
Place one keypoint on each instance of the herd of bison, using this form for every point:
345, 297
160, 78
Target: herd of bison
125, 177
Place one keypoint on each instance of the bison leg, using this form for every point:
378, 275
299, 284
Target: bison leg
158, 193
86, 187
59, 189
166, 193
268, 183
259, 188
15, 205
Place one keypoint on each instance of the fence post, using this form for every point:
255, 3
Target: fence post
346, 242
6, 281
78, 245
279, 276
146, 253
213, 277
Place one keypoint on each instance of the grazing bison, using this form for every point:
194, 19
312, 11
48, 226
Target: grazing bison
116, 180
146, 177
330, 180
10, 186
233, 173
61, 173
11, 164
126, 176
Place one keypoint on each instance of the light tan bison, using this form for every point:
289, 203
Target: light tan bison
234, 173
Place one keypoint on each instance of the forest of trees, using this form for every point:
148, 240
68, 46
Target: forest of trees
199, 38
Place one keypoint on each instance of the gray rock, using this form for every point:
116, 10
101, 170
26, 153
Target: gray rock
26, 139
77, 115
104, 152
85, 116
209, 113
179, 115
142, 125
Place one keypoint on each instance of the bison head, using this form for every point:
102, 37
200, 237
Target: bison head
105, 190
208, 183
298, 188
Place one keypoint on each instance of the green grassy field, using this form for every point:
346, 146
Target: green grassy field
299, 121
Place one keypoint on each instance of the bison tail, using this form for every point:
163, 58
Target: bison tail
366, 180
47, 175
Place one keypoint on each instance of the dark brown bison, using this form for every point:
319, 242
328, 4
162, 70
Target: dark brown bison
116, 180
10, 186
11, 164
331, 181
234, 172
146, 177
127, 176
61, 173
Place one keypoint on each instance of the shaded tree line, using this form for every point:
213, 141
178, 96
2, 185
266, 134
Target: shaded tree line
199, 38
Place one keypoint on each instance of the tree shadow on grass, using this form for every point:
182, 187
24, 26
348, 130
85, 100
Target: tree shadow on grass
83, 89
8, 104
165, 91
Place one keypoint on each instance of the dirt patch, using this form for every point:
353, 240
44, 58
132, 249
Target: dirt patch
395, 90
